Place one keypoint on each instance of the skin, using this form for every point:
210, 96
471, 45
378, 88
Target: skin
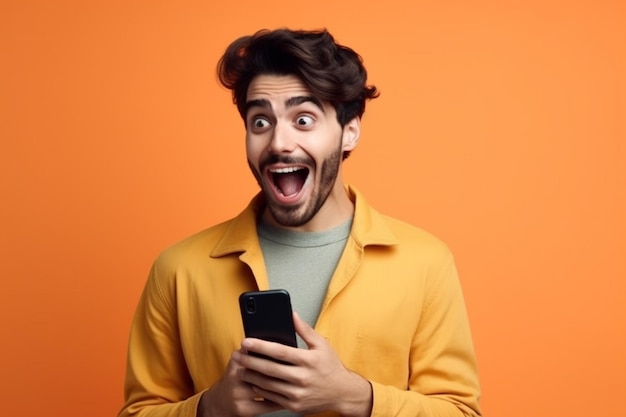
285, 128
315, 381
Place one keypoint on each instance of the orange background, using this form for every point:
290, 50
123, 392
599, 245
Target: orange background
500, 128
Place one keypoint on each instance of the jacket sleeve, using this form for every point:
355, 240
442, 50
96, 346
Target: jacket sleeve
443, 378
157, 383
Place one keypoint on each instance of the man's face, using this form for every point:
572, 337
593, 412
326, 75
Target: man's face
294, 145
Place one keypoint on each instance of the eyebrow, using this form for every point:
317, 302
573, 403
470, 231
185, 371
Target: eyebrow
257, 103
291, 102
295, 101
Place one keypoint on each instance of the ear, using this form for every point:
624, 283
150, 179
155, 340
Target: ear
351, 134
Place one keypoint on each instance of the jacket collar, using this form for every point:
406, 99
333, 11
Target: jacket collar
368, 227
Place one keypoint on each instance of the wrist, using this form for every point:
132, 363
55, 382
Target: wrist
203, 410
360, 399
206, 405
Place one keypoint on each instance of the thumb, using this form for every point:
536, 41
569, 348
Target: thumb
306, 332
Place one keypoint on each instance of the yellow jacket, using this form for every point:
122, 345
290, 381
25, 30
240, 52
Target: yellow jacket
394, 313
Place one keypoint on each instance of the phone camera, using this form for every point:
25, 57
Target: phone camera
251, 305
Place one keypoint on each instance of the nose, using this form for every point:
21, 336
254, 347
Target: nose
282, 140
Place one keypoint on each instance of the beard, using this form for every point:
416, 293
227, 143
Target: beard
301, 214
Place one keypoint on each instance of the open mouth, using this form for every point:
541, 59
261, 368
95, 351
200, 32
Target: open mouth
290, 180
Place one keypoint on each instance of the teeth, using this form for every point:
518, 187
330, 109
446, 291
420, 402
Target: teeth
285, 170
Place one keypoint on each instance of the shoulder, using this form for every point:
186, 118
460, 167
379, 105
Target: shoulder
416, 240
235, 235
408, 232
191, 249
374, 228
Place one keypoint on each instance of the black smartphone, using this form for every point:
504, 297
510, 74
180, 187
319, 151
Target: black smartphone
267, 315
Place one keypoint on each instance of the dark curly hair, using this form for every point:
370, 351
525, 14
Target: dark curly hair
333, 72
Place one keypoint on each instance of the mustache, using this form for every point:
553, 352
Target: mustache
284, 159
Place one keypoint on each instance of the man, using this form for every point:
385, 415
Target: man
380, 313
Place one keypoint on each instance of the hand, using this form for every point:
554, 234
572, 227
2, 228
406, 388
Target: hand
233, 397
315, 380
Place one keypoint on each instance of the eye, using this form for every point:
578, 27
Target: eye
304, 121
259, 123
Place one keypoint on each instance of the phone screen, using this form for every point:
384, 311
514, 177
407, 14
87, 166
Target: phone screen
267, 315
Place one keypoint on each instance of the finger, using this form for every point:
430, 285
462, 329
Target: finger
306, 332
271, 351
259, 405
271, 397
